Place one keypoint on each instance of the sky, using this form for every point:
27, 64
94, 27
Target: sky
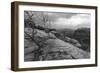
73, 22
60, 20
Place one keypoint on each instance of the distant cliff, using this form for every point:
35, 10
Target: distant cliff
83, 36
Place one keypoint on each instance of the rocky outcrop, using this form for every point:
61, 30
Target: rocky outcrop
58, 45
53, 48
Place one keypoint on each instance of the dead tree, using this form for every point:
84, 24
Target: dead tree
29, 22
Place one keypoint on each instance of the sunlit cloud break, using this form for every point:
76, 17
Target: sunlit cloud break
81, 20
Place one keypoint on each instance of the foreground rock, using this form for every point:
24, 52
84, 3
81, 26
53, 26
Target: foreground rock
54, 48
67, 49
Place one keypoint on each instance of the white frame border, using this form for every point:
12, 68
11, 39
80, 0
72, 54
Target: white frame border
23, 64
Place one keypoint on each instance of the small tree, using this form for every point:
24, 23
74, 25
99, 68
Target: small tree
33, 20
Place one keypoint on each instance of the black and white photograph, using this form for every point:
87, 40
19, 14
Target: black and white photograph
56, 36
53, 36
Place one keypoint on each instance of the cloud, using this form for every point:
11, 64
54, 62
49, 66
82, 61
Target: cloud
79, 19
82, 20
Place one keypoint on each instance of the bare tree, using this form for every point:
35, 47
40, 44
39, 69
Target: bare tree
33, 20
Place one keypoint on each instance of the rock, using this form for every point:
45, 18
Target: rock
28, 30
78, 45
67, 39
52, 36
29, 57
60, 49
40, 33
59, 45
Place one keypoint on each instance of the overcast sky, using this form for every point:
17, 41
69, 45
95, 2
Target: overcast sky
65, 20
72, 21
